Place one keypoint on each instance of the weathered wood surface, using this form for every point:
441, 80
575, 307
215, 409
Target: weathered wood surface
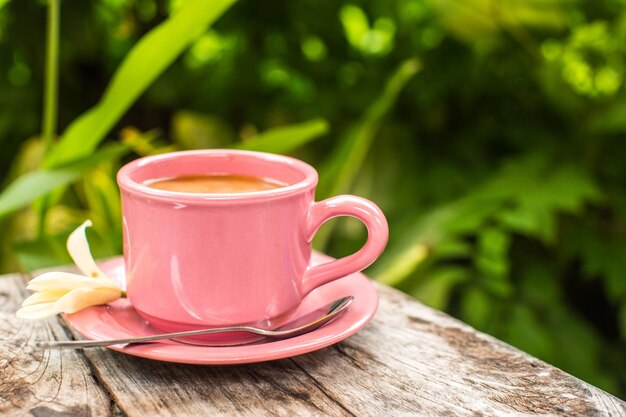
39, 383
410, 360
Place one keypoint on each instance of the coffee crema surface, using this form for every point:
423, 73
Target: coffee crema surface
214, 184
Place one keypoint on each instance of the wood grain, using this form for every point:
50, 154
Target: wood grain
414, 360
410, 360
36, 382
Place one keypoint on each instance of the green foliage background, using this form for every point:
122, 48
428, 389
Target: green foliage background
490, 132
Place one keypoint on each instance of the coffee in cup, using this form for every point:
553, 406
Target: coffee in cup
214, 184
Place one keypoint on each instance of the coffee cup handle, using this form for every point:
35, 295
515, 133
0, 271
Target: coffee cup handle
377, 234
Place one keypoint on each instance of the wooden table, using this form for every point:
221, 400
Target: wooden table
410, 360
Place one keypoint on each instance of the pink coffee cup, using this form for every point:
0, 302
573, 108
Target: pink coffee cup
206, 260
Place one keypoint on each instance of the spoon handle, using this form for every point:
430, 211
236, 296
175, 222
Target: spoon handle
80, 344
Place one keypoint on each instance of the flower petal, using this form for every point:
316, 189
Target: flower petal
36, 311
53, 281
81, 298
78, 248
44, 297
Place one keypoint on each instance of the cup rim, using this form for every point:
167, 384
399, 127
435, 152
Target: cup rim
126, 183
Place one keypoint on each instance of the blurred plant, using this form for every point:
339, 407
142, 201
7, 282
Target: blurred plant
590, 61
494, 146
75, 156
376, 39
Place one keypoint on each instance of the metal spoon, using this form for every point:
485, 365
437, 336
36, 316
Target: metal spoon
301, 325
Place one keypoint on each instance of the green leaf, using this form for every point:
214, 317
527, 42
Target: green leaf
141, 67
144, 143
476, 307
402, 265
492, 260
42, 253
286, 139
28, 187
440, 226
52, 250
355, 24
554, 190
103, 200
193, 130
528, 332
622, 321
337, 176
27, 158
602, 256
344, 165
436, 287
451, 248
481, 21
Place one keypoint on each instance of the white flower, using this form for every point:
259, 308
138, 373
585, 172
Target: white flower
62, 292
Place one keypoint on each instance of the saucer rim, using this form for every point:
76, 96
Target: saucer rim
270, 351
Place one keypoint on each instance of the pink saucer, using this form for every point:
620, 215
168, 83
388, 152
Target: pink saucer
120, 320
